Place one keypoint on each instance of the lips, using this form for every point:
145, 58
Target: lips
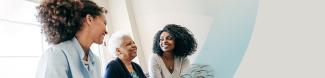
133, 51
165, 46
104, 34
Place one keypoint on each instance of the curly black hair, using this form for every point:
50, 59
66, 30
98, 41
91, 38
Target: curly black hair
61, 19
185, 43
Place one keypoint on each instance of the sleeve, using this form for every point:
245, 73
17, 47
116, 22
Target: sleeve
185, 64
110, 71
154, 68
53, 64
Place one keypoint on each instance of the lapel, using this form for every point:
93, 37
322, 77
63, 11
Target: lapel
74, 55
125, 71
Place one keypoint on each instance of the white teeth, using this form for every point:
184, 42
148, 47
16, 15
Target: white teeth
165, 46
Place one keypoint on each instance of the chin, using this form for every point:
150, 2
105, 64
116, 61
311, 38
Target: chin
99, 42
165, 50
135, 54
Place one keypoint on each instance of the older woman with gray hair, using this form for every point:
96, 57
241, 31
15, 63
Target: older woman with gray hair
122, 45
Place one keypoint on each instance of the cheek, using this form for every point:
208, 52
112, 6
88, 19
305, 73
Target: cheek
95, 32
102, 27
172, 43
99, 31
160, 44
130, 48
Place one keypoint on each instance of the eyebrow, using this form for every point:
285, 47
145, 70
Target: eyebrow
129, 43
166, 36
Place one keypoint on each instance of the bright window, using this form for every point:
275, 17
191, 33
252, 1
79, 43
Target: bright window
21, 39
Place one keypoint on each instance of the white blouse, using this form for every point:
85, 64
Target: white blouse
157, 68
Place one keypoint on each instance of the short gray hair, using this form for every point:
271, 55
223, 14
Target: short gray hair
115, 41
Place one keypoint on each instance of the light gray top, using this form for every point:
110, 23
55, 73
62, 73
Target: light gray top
157, 68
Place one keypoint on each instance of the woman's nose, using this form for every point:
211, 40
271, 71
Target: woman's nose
134, 46
164, 41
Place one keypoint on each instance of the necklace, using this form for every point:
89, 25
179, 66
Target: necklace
169, 65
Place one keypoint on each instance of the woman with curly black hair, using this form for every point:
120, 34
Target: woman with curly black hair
171, 47
72, 26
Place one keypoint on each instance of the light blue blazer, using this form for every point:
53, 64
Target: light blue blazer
64, 60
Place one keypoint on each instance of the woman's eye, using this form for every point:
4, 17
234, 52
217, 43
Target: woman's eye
169, 38
130, 43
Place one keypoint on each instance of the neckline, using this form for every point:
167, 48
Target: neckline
166, 68
124, 66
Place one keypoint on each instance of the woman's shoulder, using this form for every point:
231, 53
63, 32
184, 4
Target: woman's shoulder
185, 58
64, 44
113, 62
59, 48
64, 49
182, 60
54, 51
154, 58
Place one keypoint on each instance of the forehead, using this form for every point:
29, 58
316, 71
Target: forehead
101, 17
164, 34
126, 39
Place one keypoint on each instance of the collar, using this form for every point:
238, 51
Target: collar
81, 52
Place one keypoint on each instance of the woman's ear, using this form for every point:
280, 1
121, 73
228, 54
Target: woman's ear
89, 19
118, 51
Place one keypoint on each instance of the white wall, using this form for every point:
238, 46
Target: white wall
153, 15
288, 41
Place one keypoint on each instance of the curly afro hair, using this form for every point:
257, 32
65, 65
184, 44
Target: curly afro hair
61, 19
185, 43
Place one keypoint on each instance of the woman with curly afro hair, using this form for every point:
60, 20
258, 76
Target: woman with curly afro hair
171, 47
72, 26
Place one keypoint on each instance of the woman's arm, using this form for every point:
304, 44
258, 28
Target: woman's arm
185, 65
154, 68
53, 64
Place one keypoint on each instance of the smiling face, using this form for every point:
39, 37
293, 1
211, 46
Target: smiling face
167, 44
128, 49
98, 29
